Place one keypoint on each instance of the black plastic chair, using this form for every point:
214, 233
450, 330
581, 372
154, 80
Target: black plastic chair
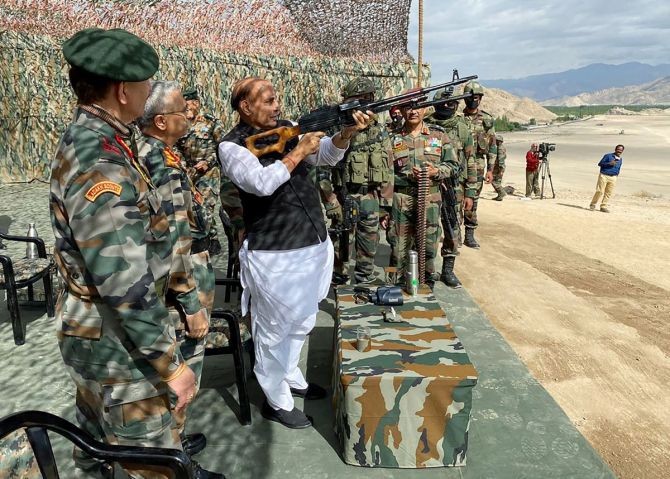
37, 423
235, 347
233, 266
22, 273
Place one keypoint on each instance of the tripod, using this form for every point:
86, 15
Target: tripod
546, 171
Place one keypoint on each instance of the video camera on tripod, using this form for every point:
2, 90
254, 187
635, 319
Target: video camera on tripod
544, 149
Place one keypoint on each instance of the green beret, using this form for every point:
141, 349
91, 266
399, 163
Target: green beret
115, 54
191, 94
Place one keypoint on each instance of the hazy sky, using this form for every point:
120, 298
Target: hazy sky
516, 38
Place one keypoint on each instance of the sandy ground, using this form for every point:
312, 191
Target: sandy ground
583, 297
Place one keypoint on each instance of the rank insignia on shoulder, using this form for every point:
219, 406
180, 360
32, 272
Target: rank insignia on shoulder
110, 147
171, 160
102, 187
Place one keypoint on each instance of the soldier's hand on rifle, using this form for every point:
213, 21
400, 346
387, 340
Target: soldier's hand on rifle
362, 120
334, 210
198, 324
489, 177
468, 203
201, 166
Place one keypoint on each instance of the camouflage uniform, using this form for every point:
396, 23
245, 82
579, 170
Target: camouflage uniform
432, 145
366, 175
483, 133
113, 251
461, 139
499, 168
17, 459
200, 144
182, 295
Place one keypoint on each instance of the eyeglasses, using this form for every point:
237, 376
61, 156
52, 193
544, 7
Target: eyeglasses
181, 113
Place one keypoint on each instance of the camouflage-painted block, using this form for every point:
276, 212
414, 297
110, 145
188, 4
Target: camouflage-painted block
17, 460
406, 402
219, 333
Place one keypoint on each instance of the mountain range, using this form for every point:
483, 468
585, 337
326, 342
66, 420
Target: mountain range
588, 79
656, 92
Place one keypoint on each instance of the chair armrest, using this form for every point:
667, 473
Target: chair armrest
41, 249
227, 282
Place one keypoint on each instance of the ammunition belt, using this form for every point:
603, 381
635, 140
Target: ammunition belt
413, 191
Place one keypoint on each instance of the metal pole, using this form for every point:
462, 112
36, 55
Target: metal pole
420, 55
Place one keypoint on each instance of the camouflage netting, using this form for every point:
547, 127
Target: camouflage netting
253, 37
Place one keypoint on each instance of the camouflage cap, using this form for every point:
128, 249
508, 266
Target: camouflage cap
191, 94
115, 54
473, 87
358, 86
446, 93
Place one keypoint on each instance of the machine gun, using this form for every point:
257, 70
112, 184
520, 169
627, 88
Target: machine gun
333, 116
449, 212
350, 214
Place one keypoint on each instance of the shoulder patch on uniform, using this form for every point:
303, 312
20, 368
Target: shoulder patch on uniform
171, 160
102, 187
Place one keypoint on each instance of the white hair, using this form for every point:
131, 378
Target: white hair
155, 105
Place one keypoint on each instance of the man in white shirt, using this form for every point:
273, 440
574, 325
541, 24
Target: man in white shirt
286, 259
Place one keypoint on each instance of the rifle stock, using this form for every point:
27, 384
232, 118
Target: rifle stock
331, 116
284, 134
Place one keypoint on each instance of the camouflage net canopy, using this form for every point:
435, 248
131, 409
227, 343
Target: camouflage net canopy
308, 49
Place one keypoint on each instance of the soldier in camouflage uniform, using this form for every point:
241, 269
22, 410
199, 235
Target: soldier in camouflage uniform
499, 169
466, 187
366, 175
113, 251
163, 122
419, 145
198, 149
484, 135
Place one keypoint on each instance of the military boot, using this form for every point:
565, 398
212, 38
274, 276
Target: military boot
470, 240
501, 195
448, 277
200, 473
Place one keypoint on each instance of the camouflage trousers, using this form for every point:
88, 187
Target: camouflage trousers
498, 173
203, 273
209, 185
366, 237
404, 220
470, 217
117, 402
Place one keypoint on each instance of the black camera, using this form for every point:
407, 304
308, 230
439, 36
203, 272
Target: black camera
384, 296
545, 148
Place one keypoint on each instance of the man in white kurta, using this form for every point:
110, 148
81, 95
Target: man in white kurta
284, 286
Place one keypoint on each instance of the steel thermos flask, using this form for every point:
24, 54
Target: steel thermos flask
31, 248
412, 274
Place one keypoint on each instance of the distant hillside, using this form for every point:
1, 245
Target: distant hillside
656, 92
499, 103
591, 78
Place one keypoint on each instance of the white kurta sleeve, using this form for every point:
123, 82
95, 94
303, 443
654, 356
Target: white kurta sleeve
244, 169
328, 153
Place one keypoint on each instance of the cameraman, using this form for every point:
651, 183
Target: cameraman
532, 171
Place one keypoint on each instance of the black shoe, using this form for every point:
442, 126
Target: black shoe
214, 247
200, 473
500, 196
470, 240
339, 278
295, 419
193, 443
312, 391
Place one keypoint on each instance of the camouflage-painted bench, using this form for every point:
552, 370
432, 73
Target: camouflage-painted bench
406, 402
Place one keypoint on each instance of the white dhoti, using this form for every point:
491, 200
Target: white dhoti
285, 288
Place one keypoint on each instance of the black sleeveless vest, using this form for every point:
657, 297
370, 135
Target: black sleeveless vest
291, 217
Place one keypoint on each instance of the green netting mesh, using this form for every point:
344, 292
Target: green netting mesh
242, 38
